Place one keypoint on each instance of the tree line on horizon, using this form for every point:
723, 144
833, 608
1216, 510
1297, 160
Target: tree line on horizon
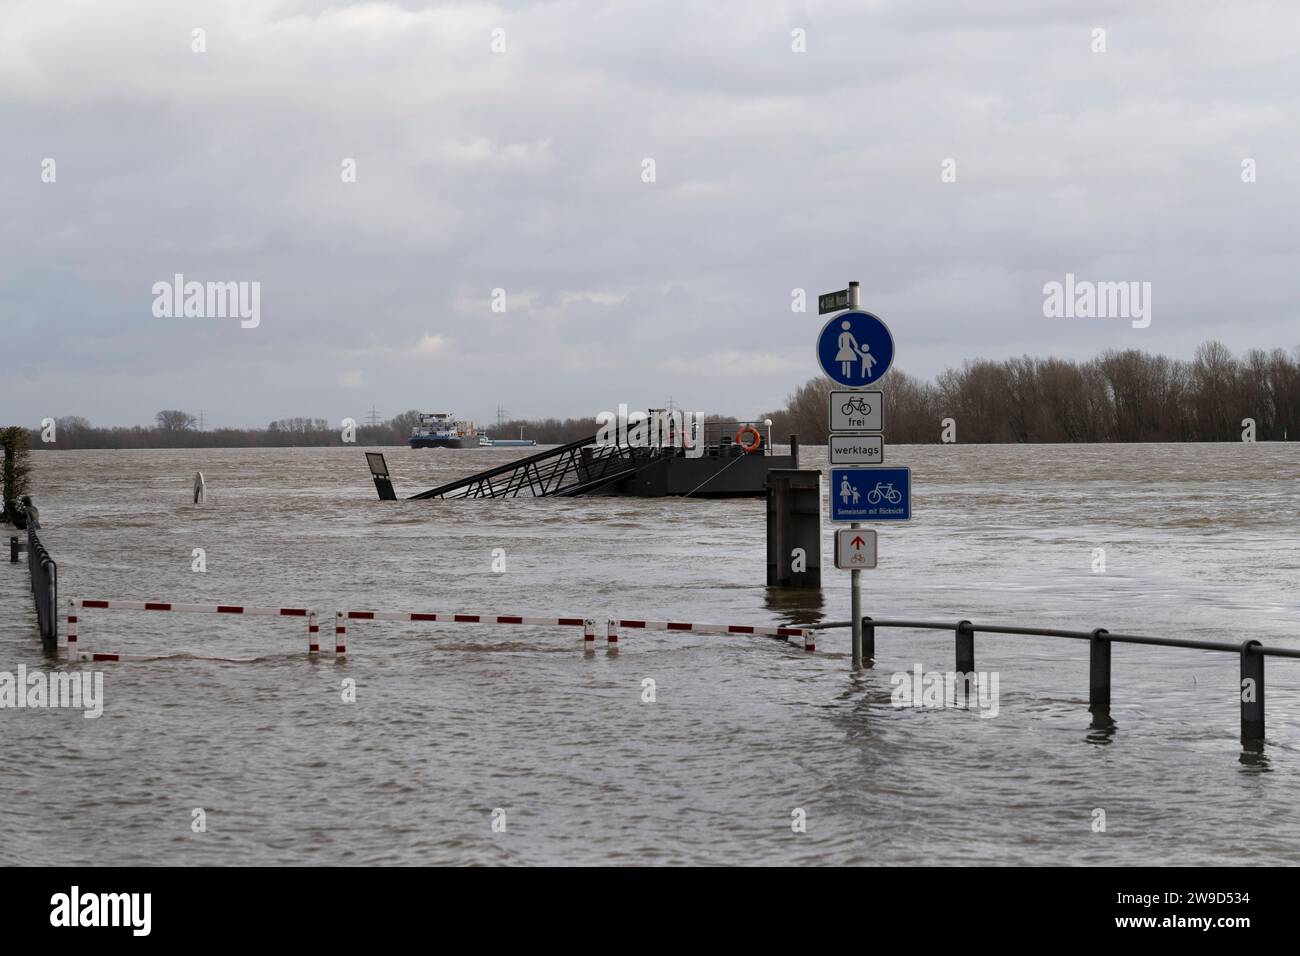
1119, 396
174, 428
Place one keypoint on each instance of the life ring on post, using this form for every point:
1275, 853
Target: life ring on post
752, 446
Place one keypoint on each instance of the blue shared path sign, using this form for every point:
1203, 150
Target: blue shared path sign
871, 494
855, 348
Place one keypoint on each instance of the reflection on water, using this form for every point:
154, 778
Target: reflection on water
797, 607
452, 721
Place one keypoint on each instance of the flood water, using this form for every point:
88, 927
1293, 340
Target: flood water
453, 722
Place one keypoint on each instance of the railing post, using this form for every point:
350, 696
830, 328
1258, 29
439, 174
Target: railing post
965, 663
1099, 677
965, 648
13, 549
52, 603
1252, 693
868, 640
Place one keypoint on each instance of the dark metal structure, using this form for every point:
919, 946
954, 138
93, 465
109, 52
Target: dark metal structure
1251, 655
590, 467
45, 589
794, 528
566, 470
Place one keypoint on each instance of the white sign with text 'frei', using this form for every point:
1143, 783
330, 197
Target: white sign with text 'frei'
856, 411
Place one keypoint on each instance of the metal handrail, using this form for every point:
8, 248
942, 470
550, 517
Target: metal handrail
44, 573
1251, 653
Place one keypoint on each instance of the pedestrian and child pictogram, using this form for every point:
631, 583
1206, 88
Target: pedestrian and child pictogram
855, 349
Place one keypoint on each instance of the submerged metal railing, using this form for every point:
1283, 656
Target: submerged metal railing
45, 588
1251, 655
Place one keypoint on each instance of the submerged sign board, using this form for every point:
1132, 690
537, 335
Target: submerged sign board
855, 549
871, 494
856, 449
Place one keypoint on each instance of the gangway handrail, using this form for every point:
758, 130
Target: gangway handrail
507, 468
564, 463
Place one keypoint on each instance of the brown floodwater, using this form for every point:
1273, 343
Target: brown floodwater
453, 722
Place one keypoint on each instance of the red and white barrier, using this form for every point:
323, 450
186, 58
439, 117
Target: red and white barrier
77, 652
808, 634
588, 625
461, 618
341, 618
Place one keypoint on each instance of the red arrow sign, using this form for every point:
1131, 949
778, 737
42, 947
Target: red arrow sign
857, 543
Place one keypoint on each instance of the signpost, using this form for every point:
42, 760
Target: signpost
855, 549
855, 449
854, 349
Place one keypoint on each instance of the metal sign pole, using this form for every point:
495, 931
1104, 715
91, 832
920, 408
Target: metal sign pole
855, 576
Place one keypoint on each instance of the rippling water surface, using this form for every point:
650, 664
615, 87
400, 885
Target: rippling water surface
453, 721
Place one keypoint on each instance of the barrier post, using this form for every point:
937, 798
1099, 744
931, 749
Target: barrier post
340, 635
868, 641
313, 635
611, 633
1099, 677
1252, 693
13, 549
589, 634
72, 629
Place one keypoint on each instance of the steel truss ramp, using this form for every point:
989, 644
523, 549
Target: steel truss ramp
564, 471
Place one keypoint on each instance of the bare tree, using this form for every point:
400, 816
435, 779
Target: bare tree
172, 420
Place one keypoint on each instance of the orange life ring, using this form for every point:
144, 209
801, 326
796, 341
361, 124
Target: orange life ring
753, 446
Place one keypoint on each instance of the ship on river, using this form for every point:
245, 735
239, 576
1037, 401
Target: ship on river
441, 430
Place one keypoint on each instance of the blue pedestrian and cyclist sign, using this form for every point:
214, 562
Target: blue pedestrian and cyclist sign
871, 494
855, 349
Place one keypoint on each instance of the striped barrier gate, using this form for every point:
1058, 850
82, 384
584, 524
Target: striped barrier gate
808, 634
588, 625
341, 618
77, 652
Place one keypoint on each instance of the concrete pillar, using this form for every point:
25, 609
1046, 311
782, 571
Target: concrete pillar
794, 524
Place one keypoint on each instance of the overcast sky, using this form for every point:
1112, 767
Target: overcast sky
523, 170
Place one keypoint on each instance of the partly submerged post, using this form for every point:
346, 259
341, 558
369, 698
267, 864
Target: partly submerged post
965, 648
1099, 677
1251, 691
855, 576
200, 488
794, 528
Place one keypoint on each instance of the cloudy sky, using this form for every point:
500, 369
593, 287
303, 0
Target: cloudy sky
523, 169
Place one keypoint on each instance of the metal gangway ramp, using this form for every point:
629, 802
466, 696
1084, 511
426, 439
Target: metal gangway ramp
574, 469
